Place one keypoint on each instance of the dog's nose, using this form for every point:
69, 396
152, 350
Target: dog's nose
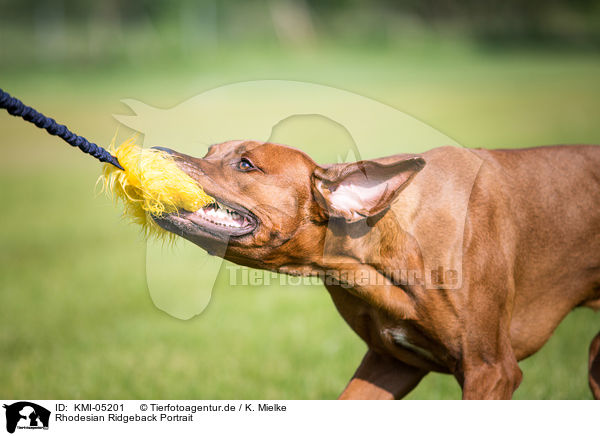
165, 149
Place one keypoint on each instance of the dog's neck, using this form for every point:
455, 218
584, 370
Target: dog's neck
336, 242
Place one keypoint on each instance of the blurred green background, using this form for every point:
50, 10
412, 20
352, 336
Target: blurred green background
76, 319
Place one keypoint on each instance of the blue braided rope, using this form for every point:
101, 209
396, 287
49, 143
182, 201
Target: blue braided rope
15, 107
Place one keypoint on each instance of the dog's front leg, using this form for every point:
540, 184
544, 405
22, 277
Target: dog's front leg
496, 381
488, 367
381, 377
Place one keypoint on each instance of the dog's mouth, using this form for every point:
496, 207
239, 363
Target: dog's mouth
218, 219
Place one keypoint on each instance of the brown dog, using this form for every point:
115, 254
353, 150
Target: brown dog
455, 260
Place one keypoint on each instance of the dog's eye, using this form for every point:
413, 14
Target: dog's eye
245, 165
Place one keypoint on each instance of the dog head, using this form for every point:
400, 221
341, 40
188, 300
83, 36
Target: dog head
274, 202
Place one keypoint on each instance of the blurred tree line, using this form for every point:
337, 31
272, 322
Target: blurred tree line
90, 29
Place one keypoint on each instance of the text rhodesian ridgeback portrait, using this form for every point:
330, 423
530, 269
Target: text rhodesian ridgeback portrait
524, 235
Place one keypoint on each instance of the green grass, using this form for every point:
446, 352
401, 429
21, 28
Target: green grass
77, 320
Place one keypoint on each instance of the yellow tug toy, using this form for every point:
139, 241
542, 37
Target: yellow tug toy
152, 183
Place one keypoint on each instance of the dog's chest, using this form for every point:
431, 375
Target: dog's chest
399, 339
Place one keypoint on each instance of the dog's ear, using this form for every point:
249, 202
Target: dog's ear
358, 190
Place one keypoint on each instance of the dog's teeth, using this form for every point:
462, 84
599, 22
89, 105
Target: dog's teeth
222, 216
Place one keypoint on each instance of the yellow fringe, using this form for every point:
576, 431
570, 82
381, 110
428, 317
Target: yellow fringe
152, 184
